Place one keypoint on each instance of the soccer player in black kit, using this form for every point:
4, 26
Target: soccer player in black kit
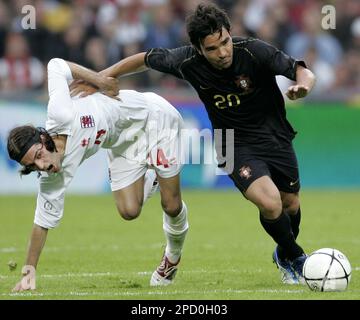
235, 79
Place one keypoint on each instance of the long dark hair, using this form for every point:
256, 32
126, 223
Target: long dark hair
22, 138
206, 20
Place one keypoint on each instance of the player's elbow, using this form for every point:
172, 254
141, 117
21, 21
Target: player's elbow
309, 76
52, 64
314, 79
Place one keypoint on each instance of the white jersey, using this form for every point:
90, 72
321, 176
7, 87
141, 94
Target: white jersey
90, 123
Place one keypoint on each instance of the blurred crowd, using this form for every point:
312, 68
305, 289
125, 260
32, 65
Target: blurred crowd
98, 33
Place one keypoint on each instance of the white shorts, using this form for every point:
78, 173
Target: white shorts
159, 147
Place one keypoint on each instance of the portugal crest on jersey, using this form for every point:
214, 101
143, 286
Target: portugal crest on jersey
243, 82
245, 172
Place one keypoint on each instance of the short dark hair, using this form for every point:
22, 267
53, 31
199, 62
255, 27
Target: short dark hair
206, 20
22, 138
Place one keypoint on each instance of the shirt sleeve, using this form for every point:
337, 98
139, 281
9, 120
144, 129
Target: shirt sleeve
50, 200
51, 196
168, 60
60, 111
275, 60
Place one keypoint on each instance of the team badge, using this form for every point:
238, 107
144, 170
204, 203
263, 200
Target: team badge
48, 205
87, 121
243, 82
245, 172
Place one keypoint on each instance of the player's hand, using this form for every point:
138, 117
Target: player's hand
297, 92
110, 87
28, 280
82, 88
19, 287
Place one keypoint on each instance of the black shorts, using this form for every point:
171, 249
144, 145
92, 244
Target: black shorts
280, 164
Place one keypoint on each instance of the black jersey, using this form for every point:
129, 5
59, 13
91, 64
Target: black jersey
244, 97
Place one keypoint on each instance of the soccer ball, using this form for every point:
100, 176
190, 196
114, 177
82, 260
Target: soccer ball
327, 269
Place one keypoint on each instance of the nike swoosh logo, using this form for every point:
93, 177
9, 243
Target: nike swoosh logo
292, 183
204, 88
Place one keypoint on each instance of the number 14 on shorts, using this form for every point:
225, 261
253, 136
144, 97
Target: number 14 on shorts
161, 159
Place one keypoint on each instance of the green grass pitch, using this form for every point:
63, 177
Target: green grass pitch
94, 254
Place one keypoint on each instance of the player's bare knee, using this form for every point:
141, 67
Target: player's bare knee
172, 208
129, 212
270, 207
291, 206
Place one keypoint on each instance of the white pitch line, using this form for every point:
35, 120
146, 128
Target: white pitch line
7, 250
155, 245
150, 293
140, 273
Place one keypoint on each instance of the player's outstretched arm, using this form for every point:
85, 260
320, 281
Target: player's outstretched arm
305, 81
37, 242
127, 66
107, 85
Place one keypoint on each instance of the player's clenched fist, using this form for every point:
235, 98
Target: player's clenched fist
297, 92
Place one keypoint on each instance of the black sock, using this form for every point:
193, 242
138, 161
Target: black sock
280, 230
295, 222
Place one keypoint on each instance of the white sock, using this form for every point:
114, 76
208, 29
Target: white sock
149, 179
175, 229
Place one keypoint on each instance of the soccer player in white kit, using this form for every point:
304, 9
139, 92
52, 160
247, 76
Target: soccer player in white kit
141, 132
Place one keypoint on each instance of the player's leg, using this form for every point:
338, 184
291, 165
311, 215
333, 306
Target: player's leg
252, 175
175, 222
129, 200
291, 206
285, 174
265, 195
175, 226
131, 183
166, 157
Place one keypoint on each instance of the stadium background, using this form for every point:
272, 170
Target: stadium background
98, 33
